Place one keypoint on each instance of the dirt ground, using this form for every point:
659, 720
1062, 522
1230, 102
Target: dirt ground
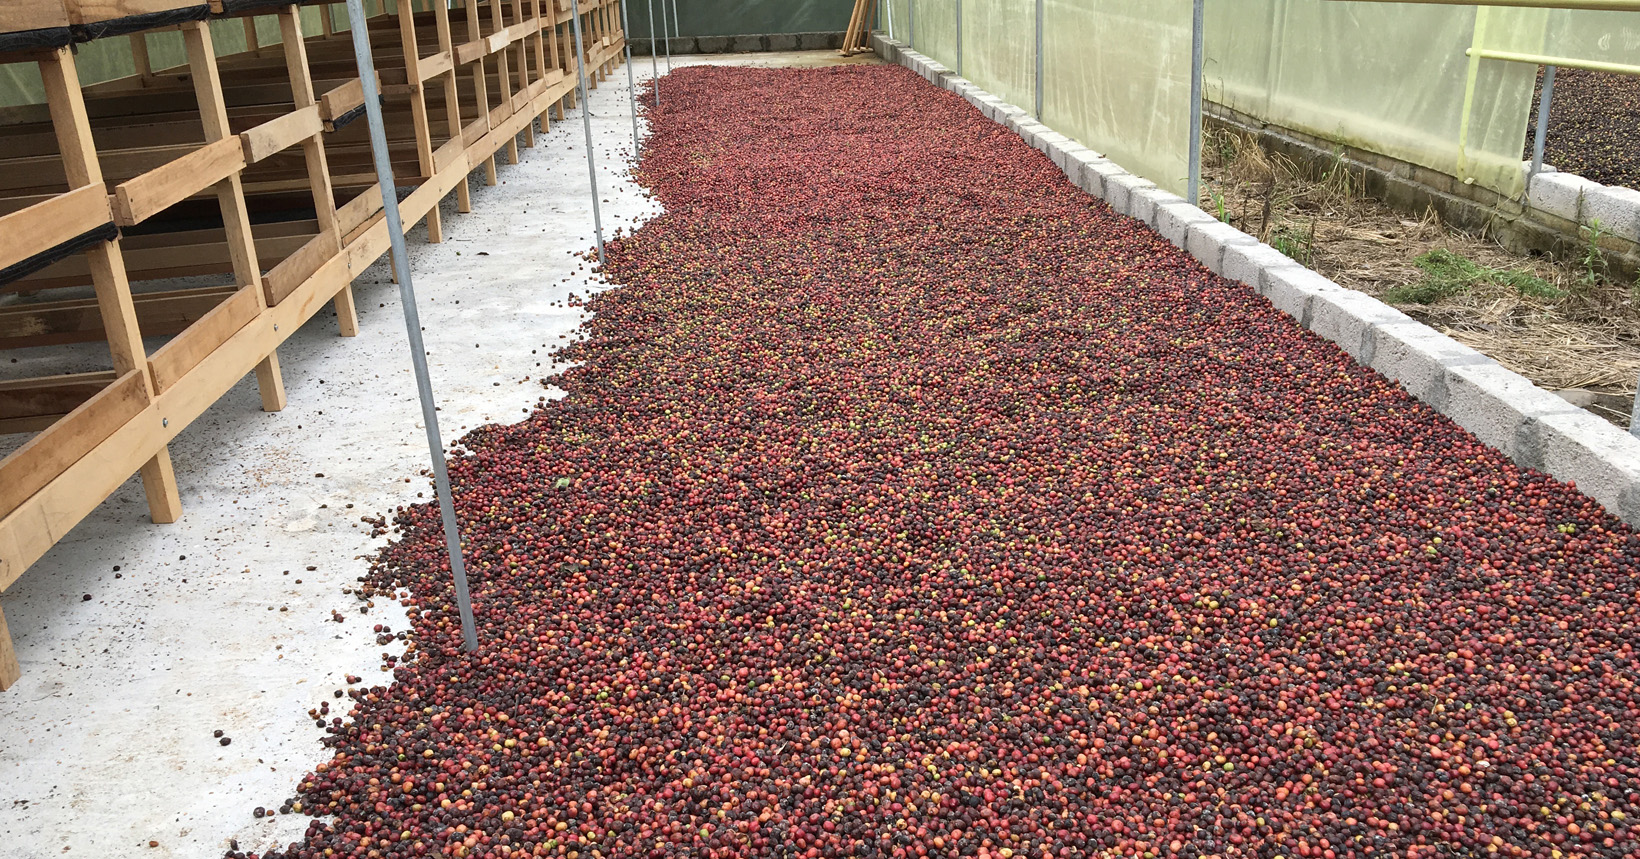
1564, 324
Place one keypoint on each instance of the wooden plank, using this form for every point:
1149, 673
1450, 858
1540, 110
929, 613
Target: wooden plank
44, 396
436, 65
79, 321
280, 134
283, 279
153, 192
359, 209
336, 103
41, 459
92, 11
18, 15
184, 352
163, 261
10, 671
47, 224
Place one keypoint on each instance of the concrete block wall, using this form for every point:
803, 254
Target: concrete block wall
1533, 427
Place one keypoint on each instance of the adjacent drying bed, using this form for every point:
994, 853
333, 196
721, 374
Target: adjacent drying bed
910, 502
247, 169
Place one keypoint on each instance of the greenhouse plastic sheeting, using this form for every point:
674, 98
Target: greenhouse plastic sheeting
1116, 78
936, 22
1396, 80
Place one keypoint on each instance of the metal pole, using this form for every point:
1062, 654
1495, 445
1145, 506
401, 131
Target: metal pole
586, 119
654, 64
631, 88
1634, 417
959, 38
1196, 50
412, 319
1542, 122
666, 37
911, 24
677, 28
1039, 60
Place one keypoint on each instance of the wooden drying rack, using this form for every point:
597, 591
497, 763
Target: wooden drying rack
246, 166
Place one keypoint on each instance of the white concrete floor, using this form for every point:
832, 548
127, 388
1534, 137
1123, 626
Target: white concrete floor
222, 621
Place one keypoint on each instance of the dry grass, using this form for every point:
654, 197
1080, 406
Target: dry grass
1570, 329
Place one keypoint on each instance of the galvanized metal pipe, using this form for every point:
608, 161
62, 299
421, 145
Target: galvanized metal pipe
1546, 60
412, 319
911, 24
654, 63
631, 88
959, 38
1197, 24
586, 120
1542, 132
1039, 60
677, 28
666, 37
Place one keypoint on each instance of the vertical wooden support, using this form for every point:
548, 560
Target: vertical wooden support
503, 72
452, 96
9, 669
571, 63
140, 59
418, 118
543, 16
480, 87
523, 67
557, 55
313, 153
230, 194
253, 43
119, 314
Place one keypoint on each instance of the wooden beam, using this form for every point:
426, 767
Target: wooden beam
98, 415
47, 224
10, 670
159, 189
78, 321
184, 352
50, 396
277, 135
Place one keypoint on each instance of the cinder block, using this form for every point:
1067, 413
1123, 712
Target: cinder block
1559, 194
1416, 357
1247, 263
1495, 404
1601, 459
1096, 173
1292, 289
1207, 241
782, 41
1119, 191
1031, 130
1064, 154
1173, 221
1615, 208
1351, 319
1072, 169
1047, 141
1145, 203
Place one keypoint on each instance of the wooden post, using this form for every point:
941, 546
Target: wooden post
543, 17
418, 118
452, 97
503, 69
9, 669
524, 70
313, 153
119, 314
553, 48
230, 194
480, 87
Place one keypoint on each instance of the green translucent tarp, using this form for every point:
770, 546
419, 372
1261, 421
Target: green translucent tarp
1395, 79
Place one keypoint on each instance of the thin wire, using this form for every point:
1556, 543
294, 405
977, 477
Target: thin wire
412, 319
